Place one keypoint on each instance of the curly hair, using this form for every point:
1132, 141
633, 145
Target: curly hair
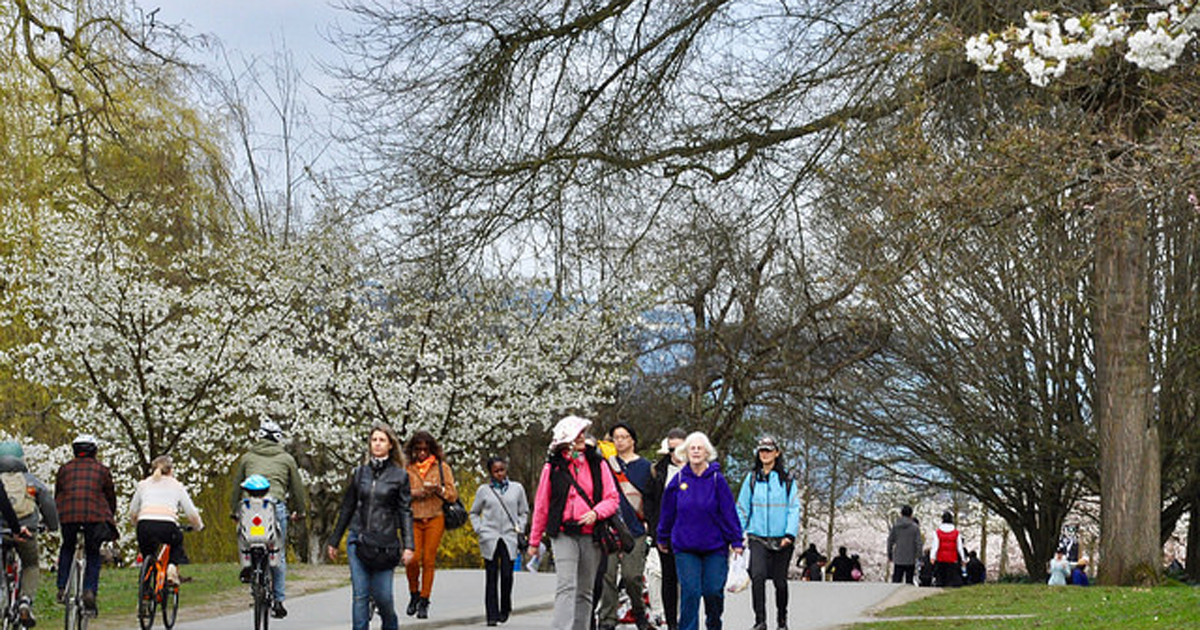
418, 437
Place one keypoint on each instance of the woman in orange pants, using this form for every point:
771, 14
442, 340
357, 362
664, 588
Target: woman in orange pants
432, 485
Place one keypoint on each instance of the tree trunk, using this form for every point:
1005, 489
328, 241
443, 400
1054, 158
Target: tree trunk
1193, 543
1129, 455
983, 534
1003, 553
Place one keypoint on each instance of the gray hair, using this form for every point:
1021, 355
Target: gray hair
696, 437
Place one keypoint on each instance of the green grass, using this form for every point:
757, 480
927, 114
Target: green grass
1051, 607
117, 598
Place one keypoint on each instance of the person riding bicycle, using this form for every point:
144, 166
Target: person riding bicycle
155, 510
86, 501
266, 457
33, 504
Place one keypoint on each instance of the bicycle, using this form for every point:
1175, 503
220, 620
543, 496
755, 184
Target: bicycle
10, 581
76, 615
257, 531
154, 591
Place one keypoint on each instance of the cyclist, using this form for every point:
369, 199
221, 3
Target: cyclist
86, 501
266, 457
155, 509
33, 504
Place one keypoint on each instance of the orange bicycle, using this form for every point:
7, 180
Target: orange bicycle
154, 590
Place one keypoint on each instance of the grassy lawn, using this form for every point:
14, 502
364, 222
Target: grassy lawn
1051, 607
214, 587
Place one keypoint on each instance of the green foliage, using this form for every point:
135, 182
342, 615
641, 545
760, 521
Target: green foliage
1051, 607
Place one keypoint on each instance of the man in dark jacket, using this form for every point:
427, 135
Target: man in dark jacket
86, 501
665, 468
633, 473
266, 457
904, 546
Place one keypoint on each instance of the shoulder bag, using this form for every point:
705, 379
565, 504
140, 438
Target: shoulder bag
522, 537
612, 533
454, 512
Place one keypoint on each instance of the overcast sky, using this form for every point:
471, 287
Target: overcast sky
255, 27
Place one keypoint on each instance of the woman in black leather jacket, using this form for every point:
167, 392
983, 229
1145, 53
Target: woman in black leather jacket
376, 504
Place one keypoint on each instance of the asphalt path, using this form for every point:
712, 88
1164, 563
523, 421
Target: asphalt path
457, 602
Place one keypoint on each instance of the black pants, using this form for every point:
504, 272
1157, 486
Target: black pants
903, 573
767, 564
497, 592
670, 589
947, 574
150, 534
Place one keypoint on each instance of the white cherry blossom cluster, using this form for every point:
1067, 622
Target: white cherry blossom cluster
1047, 44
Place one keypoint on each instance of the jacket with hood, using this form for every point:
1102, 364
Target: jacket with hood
769, 506
698, 514
46, 512
266, 457
904, 542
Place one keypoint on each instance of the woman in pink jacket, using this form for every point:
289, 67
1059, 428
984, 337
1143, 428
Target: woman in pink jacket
569, 519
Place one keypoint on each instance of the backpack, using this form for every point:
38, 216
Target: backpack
20, 493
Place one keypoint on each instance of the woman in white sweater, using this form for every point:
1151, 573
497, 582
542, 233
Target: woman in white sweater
155, 508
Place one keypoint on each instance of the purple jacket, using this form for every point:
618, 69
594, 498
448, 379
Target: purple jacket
698, 513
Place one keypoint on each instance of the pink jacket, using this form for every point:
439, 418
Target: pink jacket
575, 506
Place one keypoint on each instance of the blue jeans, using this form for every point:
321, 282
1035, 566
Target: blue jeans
701, 576
279, 573
91, 552
366, 584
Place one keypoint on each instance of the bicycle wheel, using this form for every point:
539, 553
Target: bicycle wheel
74, 607
83, 617
146, 599
262, 610
170, 605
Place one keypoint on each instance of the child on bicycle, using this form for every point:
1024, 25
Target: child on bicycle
34, 505
155, 509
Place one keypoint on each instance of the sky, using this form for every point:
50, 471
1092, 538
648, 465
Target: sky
255, 27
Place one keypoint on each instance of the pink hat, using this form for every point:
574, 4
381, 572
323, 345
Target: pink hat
568, 429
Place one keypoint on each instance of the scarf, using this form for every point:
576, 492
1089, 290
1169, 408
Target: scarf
424, 466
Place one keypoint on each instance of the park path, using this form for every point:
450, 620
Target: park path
457, 602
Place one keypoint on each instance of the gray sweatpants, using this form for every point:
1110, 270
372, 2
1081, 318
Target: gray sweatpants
576, 559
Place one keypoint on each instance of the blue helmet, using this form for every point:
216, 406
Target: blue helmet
12, 449
256, 483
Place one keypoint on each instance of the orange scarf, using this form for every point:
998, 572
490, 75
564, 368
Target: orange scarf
424, 466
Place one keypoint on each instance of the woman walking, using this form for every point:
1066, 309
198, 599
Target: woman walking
432, 486
375, 505
155, 510
769, 508
498, 516
575, 491
699, 523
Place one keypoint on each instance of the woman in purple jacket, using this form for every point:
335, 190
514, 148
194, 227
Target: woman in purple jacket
699, 524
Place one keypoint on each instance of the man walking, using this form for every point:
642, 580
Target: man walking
633, 475
904, 546
266, 457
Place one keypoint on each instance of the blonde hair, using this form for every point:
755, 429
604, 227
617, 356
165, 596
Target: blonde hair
696, 437
397, 452
160, 466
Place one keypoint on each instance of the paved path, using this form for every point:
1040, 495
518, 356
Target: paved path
457, 602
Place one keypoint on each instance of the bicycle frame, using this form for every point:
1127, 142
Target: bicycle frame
11, 577
76, 614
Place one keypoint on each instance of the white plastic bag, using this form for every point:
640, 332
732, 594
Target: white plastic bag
738, 577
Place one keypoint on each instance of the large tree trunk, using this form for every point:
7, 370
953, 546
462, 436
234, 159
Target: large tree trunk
1129, 455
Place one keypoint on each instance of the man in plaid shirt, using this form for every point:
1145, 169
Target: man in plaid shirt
86, 500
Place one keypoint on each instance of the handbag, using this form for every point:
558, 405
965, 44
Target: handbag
522, 537
105, 531
453, 511
378, 551
612, 533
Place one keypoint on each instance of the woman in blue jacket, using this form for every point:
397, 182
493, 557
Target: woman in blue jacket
699, 524
769, 508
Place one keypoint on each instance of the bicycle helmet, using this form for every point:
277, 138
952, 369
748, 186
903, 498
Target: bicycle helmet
11, 449
256, 484
85, 444
269, 430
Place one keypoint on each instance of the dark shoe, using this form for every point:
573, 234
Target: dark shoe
60, 596
25, 613
503, 617
423, 608
759, 626
414, 598
492, 622
278, 611
244, 576
89, 600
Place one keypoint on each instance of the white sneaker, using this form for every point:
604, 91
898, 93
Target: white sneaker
172, 575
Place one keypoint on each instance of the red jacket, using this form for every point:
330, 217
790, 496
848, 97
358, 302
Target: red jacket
84, 493
947, 550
